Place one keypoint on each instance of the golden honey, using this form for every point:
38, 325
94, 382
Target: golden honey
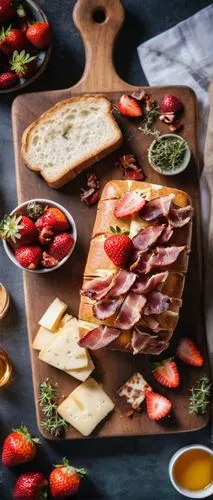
5, 369
193, 470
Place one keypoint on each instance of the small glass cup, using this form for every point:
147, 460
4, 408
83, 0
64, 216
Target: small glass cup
6, 369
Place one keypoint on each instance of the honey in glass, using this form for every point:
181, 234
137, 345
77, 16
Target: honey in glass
5, 369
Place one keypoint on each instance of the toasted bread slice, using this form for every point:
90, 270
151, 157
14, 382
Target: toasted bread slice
70, 137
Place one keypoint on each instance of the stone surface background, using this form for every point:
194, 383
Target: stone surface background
131, 468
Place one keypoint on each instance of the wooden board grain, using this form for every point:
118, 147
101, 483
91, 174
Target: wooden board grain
112, 368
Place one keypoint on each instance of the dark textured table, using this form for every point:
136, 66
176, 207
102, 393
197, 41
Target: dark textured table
133, 468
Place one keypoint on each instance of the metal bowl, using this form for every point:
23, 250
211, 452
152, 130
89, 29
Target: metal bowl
43, 55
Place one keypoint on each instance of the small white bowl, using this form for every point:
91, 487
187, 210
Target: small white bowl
206, 492
22, 209
182, 165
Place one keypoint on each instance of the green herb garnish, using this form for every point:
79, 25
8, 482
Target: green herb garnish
168, 153
47, 400
149, 119
200, 396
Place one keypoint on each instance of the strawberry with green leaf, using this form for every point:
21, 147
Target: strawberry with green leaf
12, 39
18, 229
23, 64
118, 247
19, 447
65, 480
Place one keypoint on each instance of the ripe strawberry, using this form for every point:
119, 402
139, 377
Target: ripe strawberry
118, 247
60, 246
18, 229
7, 11
130, 203
170, 104
128, 106
166, 373
188, 352
65, 480
12, 39
23, 64
39, 34
32, 485
29, 256
19, 447
157, 405
54, 218
8, 79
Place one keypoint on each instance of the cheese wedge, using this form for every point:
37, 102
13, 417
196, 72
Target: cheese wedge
63, 351
86, 406
53, 315
42, 338
65, 320
82, 373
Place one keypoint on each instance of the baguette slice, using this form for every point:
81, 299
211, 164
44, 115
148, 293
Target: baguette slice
70, 137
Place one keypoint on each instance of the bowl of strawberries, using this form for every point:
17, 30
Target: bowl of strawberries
25, 44
38, 236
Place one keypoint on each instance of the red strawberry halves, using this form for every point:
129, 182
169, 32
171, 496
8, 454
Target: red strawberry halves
19, 447
130, 203
157, 405
60, 246
166, 373
65, 480
30, 485
128, 106
29, 256
189, 353
170, 104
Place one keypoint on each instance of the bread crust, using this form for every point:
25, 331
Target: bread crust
99, 265
69, 172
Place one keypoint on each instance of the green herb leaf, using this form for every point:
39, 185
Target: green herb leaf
200, 396
53, 423
168, 153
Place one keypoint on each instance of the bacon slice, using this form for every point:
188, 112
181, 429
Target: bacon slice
106, 307
130, 203
130, 311
144, 284
159, 207
145, 343
134, 390
160, 257
117, 285
147, 237
156, 303
166, 234
99, 337
179, 217
150, 323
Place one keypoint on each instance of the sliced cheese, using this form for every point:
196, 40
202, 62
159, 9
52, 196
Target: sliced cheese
134, 390
65, 320
86, 406
63, 351
42, 338
82, 373
53, 315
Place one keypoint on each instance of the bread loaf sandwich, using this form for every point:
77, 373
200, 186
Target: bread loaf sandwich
136, 307
70, 137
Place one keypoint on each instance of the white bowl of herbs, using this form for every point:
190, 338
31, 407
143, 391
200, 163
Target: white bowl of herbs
169, 154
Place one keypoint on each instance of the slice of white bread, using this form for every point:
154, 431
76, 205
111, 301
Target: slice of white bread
70, 137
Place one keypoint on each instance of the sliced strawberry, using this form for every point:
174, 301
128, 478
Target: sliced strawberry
128, 106
188, 352
130, 203
157, 405
166, 373
170, 104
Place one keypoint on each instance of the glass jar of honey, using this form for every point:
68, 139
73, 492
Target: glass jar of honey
5, 369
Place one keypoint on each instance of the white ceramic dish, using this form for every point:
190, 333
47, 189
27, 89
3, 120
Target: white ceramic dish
177, 170
22, 209
189, 493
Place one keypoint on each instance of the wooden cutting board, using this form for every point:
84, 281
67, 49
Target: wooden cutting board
112, 368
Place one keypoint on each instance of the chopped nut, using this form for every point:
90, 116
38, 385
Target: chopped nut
175, 126
48, 260
139, 94
168, 118
45, 235
93, 181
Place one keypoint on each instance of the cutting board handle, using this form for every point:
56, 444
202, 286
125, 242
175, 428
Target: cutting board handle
99, 22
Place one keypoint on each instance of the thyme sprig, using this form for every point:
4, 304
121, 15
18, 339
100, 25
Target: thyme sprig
52, 422
168, 153
149, 119
200, 396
